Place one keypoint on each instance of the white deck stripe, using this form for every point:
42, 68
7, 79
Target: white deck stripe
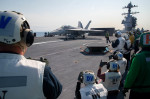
46, 42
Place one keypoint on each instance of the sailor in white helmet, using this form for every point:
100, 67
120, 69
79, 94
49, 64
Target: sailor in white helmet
22, 78
111, 79
121, 61
127, 49
91, 90
118, 44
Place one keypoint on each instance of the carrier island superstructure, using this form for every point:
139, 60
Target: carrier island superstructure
129, 21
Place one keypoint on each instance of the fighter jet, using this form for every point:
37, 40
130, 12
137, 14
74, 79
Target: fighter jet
71, 32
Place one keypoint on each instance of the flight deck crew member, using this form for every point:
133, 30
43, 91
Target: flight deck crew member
22, 78
136, 41
131, 38
107, 37
91, 90
127, 50
118, 44
138, 79
121, 61
111, 79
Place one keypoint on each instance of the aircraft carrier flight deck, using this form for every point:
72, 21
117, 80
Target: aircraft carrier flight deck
66, 60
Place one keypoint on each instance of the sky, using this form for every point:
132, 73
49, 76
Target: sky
48, 15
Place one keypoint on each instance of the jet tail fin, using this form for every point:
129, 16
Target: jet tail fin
80, 24
87, 26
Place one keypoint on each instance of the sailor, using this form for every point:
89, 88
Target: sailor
22, 78
121, 61
118, 44
127, 49
107, 37
136, 41
131, 38
91, 90
111, 79
138, 79
138, 32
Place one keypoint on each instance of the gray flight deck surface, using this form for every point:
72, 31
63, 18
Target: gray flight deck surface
65, 59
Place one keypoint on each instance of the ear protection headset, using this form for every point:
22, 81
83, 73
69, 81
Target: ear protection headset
108, 65
115, 57
27, 34
116, 35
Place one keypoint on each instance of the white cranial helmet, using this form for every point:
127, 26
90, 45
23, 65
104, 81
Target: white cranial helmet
88, 77
113, 66
10, 24
118, 34
118, 55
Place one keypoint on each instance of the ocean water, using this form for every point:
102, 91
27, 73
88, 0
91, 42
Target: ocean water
40, 34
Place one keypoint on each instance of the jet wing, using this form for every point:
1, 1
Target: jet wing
84, 30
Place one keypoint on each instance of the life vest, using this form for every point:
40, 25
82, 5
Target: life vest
121, 44
128, 42
112, 80
122, 64
93, 91
107, 35
21, 78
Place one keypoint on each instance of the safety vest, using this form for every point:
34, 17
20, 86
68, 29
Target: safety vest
122, 64
121, 44
20, 78
128, 42
93, 91
112, 80
107, 34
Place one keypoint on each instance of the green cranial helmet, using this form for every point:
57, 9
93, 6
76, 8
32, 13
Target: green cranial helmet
145, 40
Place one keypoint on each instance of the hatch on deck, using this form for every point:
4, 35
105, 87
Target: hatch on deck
95, 48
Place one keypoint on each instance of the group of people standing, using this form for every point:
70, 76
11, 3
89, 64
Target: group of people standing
124, 71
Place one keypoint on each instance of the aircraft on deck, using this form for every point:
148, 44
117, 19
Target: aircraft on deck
71, 32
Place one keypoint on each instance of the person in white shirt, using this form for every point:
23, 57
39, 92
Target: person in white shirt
127, 50
121, 61
91, 90
111, 78
118, 44
22, 78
